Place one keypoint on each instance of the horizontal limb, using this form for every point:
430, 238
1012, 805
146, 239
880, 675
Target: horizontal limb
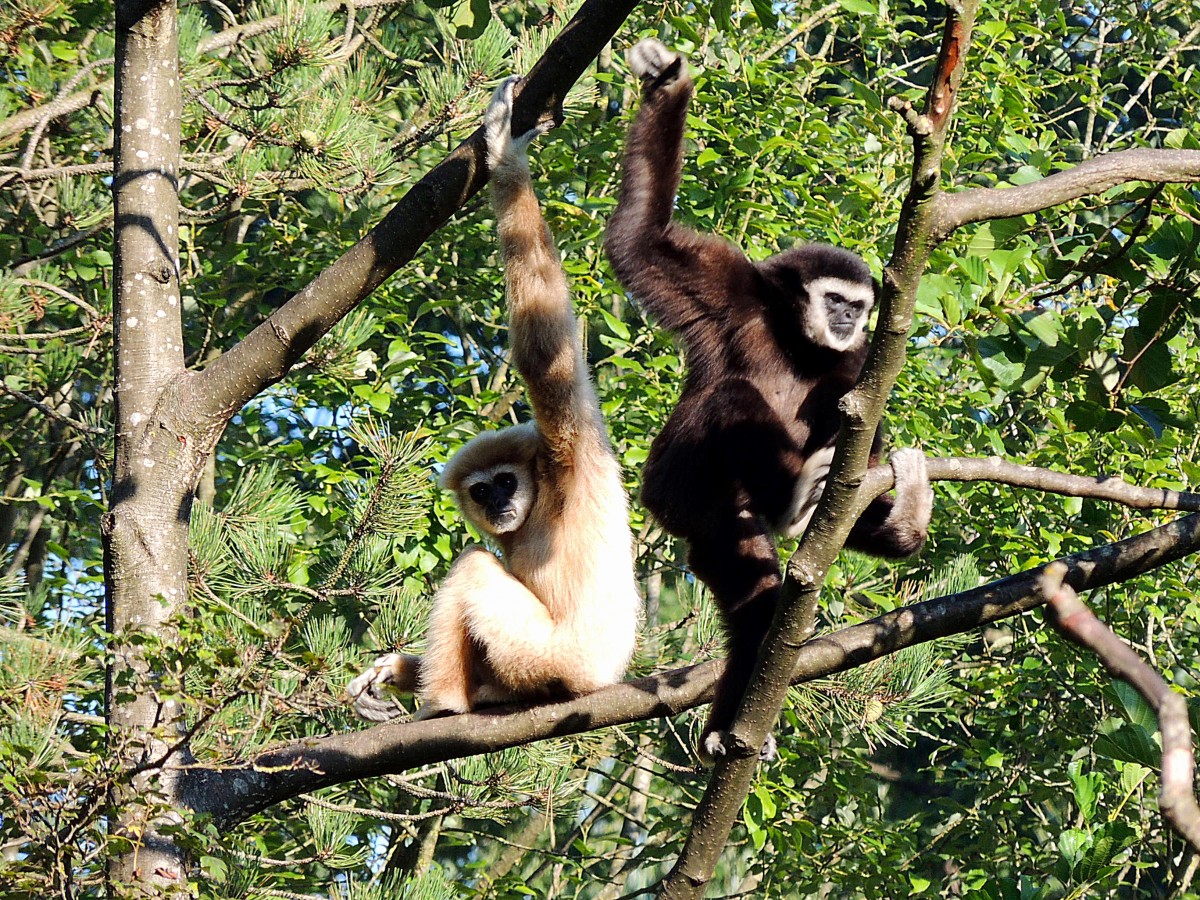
232, 792
1092, 176
1000, 471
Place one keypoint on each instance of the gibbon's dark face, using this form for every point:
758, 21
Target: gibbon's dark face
498, 499
836, 312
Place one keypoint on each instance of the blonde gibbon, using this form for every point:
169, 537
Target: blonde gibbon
559, 615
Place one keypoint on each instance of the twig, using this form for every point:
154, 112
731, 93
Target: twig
1073, 619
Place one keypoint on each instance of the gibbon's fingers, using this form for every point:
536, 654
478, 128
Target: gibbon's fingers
502, 145
523, 141
650, 60
498, 125
373, 689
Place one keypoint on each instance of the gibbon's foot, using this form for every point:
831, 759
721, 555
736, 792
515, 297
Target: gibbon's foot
914, 497
502, 147
373, 690
654, 64
712, 745
432, 711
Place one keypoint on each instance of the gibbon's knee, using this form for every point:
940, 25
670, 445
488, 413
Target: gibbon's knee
449, 671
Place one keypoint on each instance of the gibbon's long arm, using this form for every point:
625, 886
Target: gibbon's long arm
542, 332
679, 275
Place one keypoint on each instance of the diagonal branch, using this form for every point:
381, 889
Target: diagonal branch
861, 410
1071, 617
265, 355
234, 792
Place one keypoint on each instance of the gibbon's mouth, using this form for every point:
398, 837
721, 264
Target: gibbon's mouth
504, 521
842, 331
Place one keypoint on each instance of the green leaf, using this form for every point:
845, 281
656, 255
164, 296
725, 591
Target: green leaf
469, 18
1086, 788
1129, 743
722, 11
1046, 327
764, 11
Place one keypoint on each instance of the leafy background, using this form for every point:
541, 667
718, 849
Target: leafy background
1003, 764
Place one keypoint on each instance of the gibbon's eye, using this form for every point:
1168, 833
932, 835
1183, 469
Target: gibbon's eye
506, 481
835, 298
480, 492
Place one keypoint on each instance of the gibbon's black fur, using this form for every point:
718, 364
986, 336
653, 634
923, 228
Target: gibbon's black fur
771, 349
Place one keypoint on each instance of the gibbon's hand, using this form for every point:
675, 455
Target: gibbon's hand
372, 690
502, 147
654, 64
713, 746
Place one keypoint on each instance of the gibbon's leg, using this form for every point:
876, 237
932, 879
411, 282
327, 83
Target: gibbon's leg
895, 527
509, 624
372, 690
446, 679
738, 562
727, 441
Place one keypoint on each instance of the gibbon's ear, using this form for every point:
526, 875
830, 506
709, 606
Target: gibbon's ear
517, 445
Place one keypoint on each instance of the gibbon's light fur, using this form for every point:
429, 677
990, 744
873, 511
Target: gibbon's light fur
771, 349
559, 616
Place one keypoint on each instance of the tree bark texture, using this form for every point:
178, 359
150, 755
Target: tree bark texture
145, 530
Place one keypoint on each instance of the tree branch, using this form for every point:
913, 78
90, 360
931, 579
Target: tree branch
232, 793
265, 355
1072, 618
861, 411
1092, 176
995, 469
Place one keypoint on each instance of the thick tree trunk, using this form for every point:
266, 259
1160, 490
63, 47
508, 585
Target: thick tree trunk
145, 530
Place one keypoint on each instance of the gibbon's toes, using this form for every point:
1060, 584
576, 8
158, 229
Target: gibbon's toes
912, 482
908, 465
650, 60
768, 752
712, 746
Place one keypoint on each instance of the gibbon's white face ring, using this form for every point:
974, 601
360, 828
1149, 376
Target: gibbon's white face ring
840, 336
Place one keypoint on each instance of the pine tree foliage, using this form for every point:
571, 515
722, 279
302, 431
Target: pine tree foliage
883, 697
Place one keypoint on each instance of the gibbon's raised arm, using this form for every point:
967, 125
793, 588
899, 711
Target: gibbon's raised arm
678, 274
543, 336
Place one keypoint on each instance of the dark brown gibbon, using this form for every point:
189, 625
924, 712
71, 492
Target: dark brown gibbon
771, 348
559, 615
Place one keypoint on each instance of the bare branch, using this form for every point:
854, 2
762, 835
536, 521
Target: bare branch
1072, 618
234, 792
993, 468
1092, 176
